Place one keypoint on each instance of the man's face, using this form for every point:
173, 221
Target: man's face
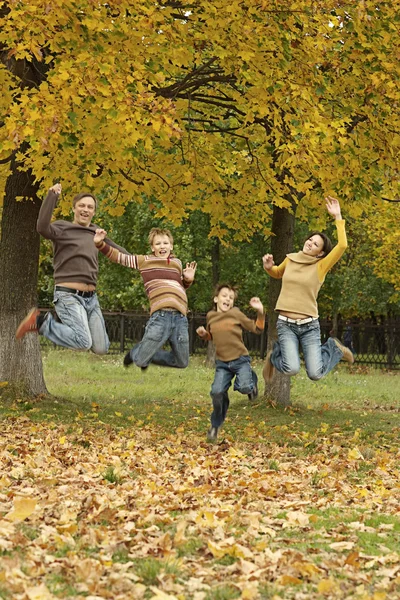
84, 211
161, 246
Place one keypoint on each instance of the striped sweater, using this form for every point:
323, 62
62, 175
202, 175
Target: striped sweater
162, 277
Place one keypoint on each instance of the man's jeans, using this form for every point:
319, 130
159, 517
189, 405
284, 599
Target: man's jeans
162, 327
82, 325
245, 383
319, 359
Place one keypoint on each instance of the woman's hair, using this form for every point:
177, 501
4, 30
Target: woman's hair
220, 286
84, 195
157, 231
327, 244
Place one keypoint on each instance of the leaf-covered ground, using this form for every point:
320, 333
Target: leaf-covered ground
88, 510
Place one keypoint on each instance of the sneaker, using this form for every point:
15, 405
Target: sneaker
212, 434
269, 369
29, 324
254, 394
144, 368
347, 353
127, 360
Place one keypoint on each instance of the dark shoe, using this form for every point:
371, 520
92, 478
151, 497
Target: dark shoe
254, 394
212, 434
347, 353
127, 360
144, 368
29, 324
269, 369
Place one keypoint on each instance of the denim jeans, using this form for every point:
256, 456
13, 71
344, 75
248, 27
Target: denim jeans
245, 383
82, 325
162, 327
319, 359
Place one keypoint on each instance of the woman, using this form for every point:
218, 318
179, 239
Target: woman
302, 275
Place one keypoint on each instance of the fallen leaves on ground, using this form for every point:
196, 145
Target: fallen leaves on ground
109, 514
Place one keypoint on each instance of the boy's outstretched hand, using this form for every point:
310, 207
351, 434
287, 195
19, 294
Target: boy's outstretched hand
189, 271
257, 304
99, 236
201, 331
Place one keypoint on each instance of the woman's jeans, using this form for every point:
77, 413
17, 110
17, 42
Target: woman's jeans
162, 327
319, 359
81, 324
245, 383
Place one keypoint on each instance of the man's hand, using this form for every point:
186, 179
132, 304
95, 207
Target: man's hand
257, 304
268, 262
189, 271
56, 188
201, 332
99, 236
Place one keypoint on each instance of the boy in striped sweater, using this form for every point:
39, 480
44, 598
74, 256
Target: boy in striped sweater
165, 283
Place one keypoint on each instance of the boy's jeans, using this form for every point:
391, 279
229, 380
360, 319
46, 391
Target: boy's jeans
82, 325
319, 359
245, 383
163, 326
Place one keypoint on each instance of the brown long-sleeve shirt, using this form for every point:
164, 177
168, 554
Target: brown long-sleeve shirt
226, 331
75, 255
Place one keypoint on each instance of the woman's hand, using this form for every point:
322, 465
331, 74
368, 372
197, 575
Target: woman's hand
268, 262
333, 207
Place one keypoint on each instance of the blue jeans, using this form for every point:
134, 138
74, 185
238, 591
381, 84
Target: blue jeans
82, 325
162, 327
245, 383
319, 359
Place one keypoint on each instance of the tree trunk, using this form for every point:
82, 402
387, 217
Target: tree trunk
20, 360
278, 390
215, 262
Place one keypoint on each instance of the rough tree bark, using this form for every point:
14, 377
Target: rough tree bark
278, 390
215, 262
20, 360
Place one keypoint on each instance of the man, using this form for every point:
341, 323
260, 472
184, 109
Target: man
80, 324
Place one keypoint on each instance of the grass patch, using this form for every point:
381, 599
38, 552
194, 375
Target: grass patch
99, 390
127, 486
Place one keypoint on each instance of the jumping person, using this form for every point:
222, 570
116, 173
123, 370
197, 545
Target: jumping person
225, 326
81, 324
303, 274
165, 283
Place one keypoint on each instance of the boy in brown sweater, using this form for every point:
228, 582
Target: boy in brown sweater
225, 326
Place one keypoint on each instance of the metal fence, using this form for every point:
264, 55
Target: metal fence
372, 344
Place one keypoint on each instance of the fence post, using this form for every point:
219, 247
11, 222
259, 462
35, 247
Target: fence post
122, 333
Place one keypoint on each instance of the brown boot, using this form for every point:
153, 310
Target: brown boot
29, 324
347, 353
269, 369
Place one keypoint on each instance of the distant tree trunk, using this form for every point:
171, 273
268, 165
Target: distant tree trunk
278, 390
20, 361
215, 263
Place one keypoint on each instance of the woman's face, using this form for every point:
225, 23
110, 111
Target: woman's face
314, 246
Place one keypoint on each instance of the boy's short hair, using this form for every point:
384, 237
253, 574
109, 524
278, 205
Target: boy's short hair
84, 195
158, 231
220, 286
